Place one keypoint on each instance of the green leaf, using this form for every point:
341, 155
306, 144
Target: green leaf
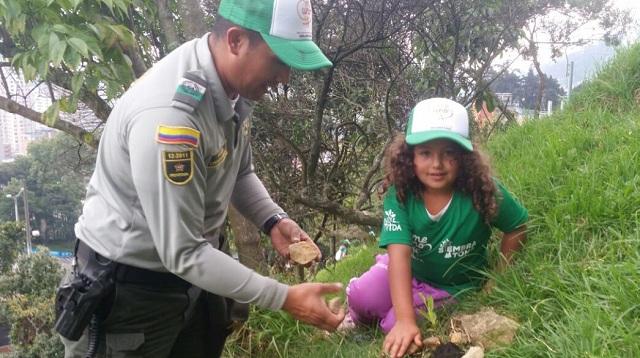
40, 35
65, 4
72, 59
43, 42
114, 89
39, 30
50, 116
91, 83
75, 3
88, 138
15, 61
53, 40
43, 68
69, 104
104, 71
95, 30
124, 34
121, 72
79, 46
93, 46
110, 39
122, 6
109, 4
76, 82
127, 61
29, 72
63, 29
13, 8
18, 25
57, 53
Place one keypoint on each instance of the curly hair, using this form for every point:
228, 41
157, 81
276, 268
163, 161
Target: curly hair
474, 176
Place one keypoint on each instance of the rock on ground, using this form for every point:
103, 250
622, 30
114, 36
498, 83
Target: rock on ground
485, 328
474, 352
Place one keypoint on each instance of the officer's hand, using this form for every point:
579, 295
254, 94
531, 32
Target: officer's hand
305, 302
287, 232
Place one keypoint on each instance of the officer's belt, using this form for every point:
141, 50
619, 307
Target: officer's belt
130, 274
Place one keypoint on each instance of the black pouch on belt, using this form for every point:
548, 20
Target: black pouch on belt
78, 298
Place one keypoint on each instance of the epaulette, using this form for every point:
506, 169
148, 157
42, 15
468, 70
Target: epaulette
190, 91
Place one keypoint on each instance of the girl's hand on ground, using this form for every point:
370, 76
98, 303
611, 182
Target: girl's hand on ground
399, 339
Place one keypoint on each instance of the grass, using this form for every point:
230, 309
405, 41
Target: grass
275, 334
575, 289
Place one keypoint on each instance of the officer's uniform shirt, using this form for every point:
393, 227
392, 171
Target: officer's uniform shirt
173, 155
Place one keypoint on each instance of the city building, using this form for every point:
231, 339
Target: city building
16, 132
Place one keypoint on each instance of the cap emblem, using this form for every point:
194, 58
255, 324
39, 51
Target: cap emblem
443, 112
304, 11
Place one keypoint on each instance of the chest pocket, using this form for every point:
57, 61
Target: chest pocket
218, 158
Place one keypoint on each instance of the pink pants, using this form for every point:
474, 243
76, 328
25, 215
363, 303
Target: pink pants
369, 296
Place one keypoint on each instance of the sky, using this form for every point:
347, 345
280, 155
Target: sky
586, 58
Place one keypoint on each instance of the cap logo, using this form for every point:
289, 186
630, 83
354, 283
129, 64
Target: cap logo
443, 112
291, 19
304, 11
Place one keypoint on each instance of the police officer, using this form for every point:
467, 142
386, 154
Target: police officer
174, 153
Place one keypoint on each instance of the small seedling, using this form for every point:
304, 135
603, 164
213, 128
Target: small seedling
429, 313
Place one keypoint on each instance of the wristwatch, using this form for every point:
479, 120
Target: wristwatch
272, 221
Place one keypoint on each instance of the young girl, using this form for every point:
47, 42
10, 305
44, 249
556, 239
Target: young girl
440, 204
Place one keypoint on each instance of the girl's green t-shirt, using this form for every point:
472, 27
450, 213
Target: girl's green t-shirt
447, 253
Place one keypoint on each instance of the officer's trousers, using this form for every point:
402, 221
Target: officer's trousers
152, 322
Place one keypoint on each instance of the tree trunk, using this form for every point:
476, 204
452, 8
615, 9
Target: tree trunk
165, 17
536, 64
192, 18
247, 239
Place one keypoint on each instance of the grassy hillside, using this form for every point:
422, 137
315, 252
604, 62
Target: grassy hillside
576, 287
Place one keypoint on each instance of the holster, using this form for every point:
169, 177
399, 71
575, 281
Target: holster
78, 296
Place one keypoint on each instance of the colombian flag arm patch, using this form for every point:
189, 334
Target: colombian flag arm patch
178, 135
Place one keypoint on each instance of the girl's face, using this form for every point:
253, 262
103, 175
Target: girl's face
436, 164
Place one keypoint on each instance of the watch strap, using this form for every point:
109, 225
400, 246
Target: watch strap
272, 221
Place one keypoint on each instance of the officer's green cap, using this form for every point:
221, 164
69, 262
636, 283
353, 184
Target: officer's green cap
285, 25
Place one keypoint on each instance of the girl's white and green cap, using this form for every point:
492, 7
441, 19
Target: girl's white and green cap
285, 25
439, 118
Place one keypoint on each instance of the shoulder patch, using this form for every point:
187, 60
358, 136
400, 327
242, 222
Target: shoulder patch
190, 92
178, 166
177, 135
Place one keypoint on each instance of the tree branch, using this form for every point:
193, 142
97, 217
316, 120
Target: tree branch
321, 105
344, 213
99, 106
26, 112
366, 184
